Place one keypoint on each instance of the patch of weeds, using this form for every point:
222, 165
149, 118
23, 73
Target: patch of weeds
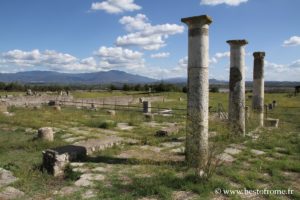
11, 166
131, 123
107, 124
71, 175
144, 141
275, 174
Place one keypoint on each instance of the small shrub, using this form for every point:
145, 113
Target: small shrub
11, 166
107, 124
214, 90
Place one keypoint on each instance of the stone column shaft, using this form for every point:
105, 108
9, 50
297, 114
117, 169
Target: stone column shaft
197, 108
146, 106
258, 86
236, 111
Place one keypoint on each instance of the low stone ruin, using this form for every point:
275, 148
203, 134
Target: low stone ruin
57, 108
11, 193
8, 192
55, 160
29, 92
6, 177
3, 107
52, 103
111, 112
94, 145
166, 131
46, 134
166, 112
270, 122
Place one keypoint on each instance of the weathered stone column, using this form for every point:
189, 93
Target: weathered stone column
236, 111
146, 106
258, 86
197, 108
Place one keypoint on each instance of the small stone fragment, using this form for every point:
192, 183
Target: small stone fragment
46, 133
11, 193
232, 151
6, 177
257, 152
225, 157
111, 112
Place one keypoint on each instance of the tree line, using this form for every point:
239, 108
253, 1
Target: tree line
156, 87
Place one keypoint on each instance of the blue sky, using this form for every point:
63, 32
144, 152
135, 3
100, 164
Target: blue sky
145, 37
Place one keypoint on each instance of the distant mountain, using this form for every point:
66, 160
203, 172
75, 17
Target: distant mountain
223, 83
178, 80
113, 76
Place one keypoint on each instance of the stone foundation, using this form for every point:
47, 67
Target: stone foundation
55, 160
270, 122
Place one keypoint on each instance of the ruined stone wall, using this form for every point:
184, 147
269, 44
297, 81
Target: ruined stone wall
21, 101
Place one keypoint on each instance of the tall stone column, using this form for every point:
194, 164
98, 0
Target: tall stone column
197, 108
236, 111
258, 86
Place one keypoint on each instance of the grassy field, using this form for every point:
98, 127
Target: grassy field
150, 173
94, 94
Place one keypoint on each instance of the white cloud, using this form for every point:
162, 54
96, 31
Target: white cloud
145, 35
22, 55
163, 72
18, 60
178, 71
160, 55
114, 57
273, 67
137, 23
183, 62
295, 65
228, 2
292, 41
105, 58
116, 6
282, 72
215, 59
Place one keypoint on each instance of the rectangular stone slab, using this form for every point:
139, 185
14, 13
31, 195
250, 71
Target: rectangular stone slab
55, 160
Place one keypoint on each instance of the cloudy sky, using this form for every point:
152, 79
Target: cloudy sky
145, 37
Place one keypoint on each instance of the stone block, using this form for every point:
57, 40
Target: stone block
52, 103
55, 160
29, 92
94, 145
3, 107
270, 122
111, 112
11, 193
46, 133
57, 108
6, 177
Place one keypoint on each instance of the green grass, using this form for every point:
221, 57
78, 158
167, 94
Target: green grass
93, 94
20, 152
